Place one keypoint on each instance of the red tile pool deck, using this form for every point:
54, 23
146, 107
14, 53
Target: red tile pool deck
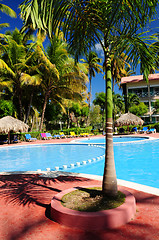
25, 206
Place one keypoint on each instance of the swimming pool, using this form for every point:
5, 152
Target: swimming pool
135, 161
115, 139
33, 157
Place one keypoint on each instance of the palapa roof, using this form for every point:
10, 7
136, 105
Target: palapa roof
9, 123
128, 119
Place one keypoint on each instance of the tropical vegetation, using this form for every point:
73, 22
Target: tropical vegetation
116, 25
7, 10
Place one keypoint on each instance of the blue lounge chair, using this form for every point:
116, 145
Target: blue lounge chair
134, 129
152, 130
144, 130
56, 136
48, 135
29, 138
3, 141
14, 139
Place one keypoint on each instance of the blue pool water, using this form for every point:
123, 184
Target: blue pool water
115, 139
135, 161
31, 158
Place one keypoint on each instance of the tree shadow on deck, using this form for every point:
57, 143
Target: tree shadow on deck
25, 189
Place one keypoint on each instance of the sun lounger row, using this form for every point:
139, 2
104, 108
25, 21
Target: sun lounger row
46, 136
49, 136
144, 130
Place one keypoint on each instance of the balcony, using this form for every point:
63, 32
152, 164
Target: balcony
142, 95
154, 94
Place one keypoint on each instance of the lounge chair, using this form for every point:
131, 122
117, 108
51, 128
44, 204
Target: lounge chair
144, 130
152, 130
62, 135
43, 136
84, 134
121, 130
3, 141
14, 139
56, 136
72, 134
29, 138
134, 129
48, 135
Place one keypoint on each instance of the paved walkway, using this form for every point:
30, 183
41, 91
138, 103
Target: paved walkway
25, 206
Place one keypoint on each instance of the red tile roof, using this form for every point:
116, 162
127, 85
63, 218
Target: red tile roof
139, 78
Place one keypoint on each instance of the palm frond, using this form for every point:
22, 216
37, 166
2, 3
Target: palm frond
3, 25
4, 66
4, 8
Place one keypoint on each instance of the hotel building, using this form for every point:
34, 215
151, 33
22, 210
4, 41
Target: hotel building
147, 93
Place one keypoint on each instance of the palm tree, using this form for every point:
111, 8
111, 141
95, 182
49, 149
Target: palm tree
118, 105
92, 60
132, 99
118, 68
4, 8
112, 24
14, 66
61, 78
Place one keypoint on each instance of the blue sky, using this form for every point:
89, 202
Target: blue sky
98, 83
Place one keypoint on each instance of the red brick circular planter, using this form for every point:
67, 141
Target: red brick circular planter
100, 220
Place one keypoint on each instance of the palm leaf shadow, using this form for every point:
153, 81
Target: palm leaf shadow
23, 189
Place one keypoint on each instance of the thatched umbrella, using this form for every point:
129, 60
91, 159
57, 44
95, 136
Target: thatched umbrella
128, 119
8, 124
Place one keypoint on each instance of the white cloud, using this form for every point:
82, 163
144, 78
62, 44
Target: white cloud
99, 49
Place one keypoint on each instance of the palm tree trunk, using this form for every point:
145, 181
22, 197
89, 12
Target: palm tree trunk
90, 90
109, 185
113, 84
32, 125
43, 111
29, 107
20, 105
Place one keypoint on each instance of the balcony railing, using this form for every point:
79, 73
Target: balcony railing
154, 94
145, 94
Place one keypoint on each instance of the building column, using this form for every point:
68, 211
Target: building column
149, 97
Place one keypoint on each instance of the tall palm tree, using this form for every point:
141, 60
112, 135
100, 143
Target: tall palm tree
92, 60
14, 66
112, 24
118, 68
4, 8
61, 78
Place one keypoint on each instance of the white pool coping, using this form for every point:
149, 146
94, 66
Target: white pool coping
145, 138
